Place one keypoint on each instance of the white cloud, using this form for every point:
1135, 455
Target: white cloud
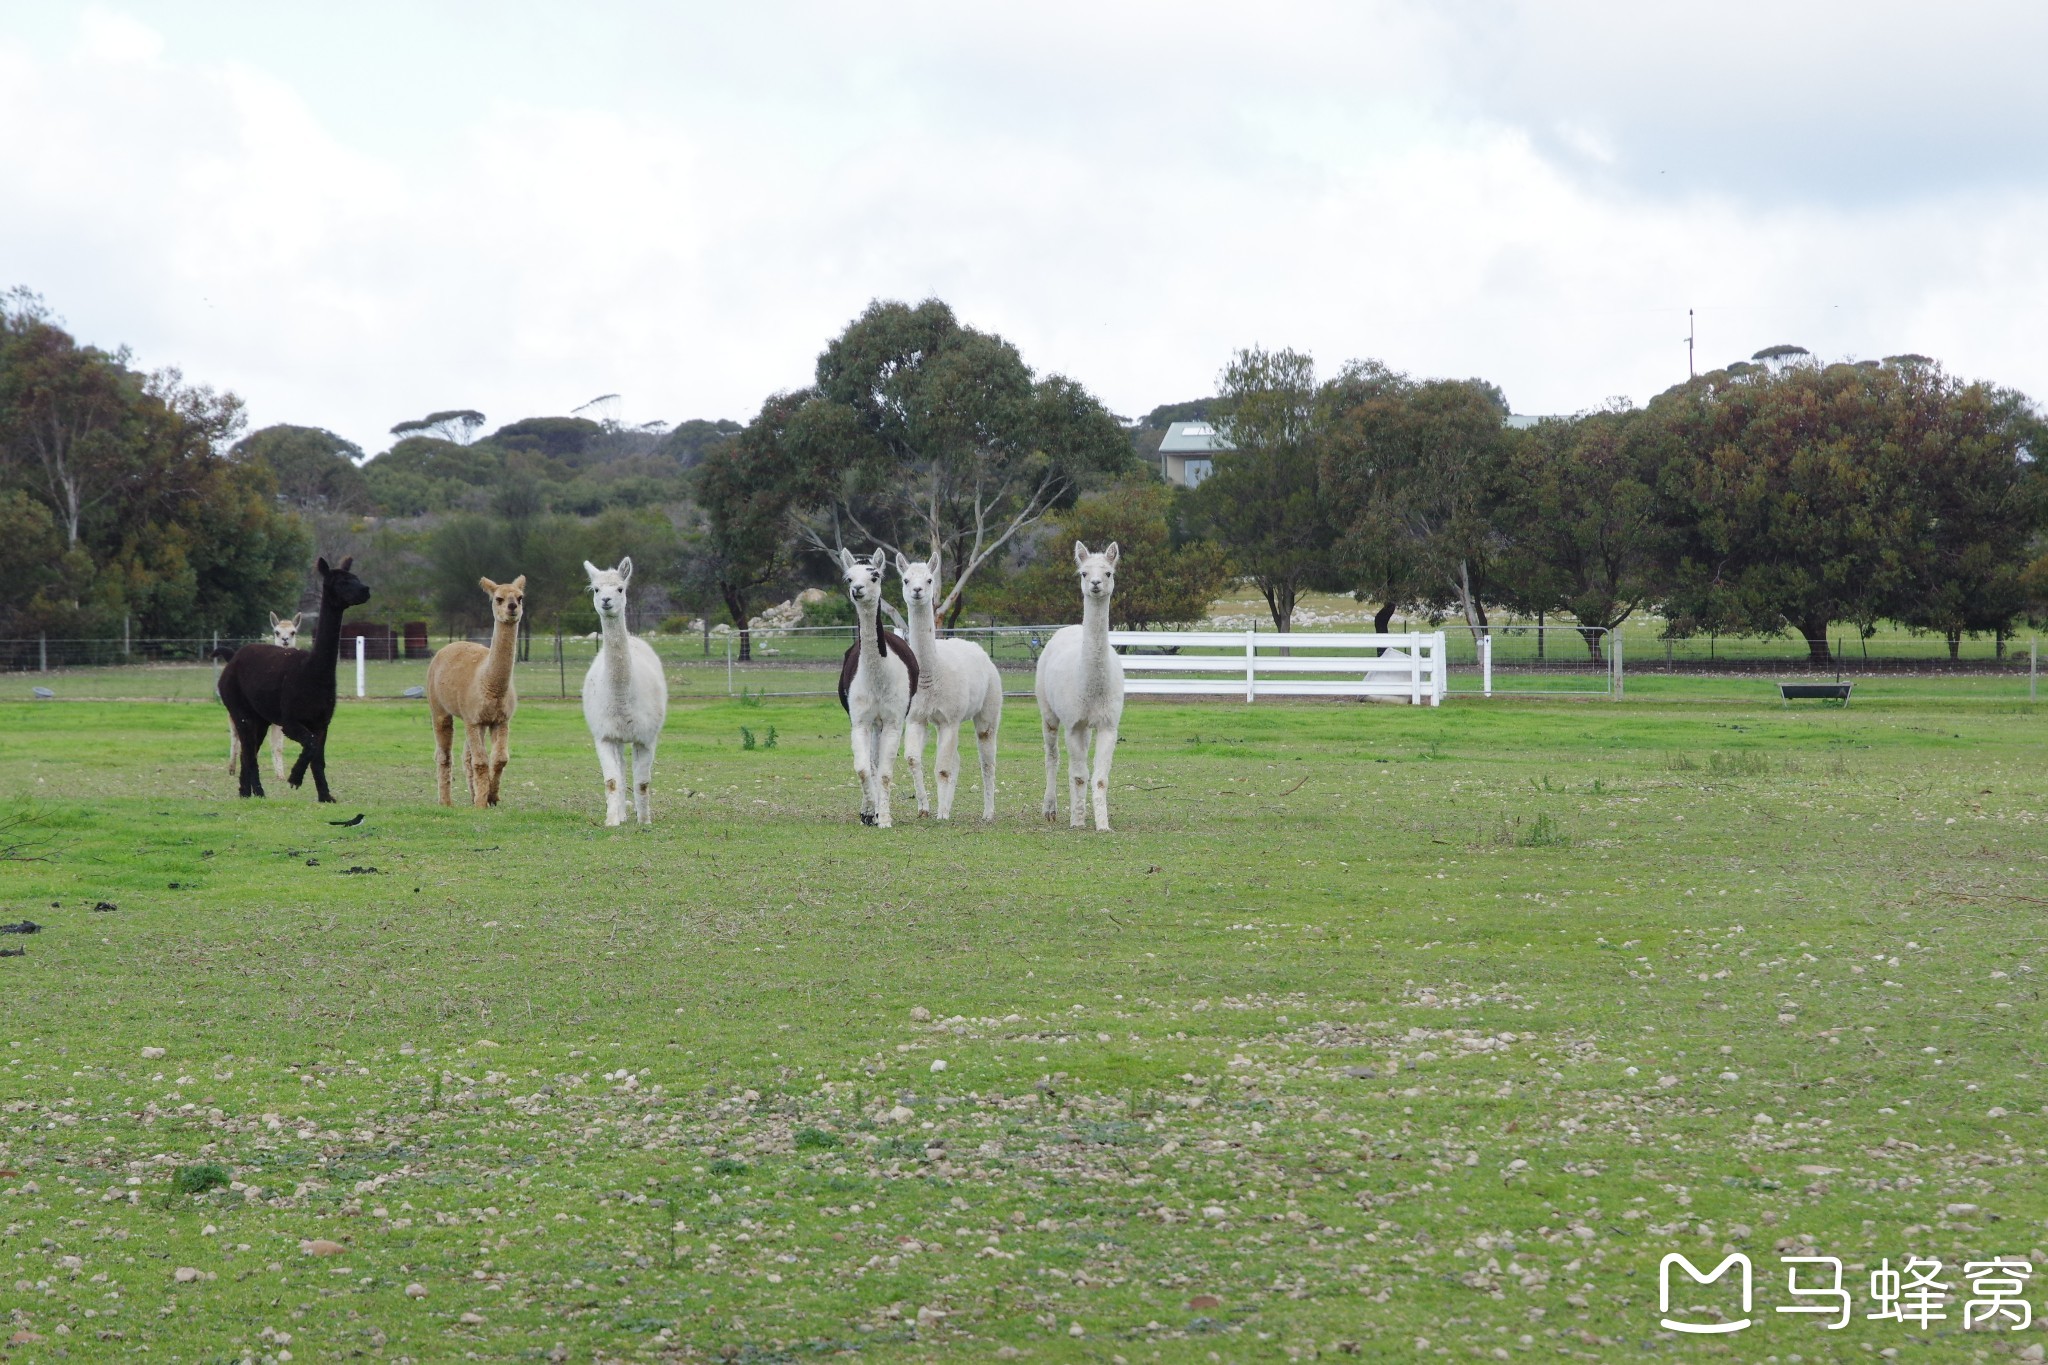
1126, 192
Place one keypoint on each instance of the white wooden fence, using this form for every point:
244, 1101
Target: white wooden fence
1225, 663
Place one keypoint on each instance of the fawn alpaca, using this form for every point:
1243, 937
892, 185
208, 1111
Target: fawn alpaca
877, 680
957, 682
469, 682
284, 633
292, 689
625, 698
1081, 690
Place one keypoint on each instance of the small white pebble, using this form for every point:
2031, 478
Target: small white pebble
939, 1065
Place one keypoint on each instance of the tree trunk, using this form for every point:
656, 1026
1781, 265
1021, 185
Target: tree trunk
1816, 634
1383, 618
1955, 645
736, 607
1591, 635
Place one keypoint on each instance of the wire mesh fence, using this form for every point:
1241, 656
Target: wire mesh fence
1526, 659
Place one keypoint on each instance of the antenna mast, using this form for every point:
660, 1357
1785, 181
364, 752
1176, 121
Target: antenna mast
1690, 371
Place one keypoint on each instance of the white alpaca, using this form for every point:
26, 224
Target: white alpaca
284, 633
876, 682
625, 698
1081, 689
957, 681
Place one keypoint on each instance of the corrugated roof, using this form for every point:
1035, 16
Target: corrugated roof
1192, 438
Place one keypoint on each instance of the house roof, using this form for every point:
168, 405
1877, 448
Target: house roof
1193, 438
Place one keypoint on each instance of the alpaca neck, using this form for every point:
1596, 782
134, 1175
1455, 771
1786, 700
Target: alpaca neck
326, 640
1094, 633
867, 635
618, 662
924, 631
497, 670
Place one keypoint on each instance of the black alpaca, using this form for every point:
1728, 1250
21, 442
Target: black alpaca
292, 689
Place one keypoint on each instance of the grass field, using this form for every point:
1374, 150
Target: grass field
1402, 1034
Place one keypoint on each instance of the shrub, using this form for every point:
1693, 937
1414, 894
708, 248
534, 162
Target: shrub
207, 1175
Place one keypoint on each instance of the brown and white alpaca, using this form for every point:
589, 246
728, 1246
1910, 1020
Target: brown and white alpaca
469, 681
284, 633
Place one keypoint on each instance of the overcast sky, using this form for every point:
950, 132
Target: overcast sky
354, 214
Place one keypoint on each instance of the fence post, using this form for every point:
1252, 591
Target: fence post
1251, 664
728, 663
1486, 665
43, 652
1415, 668
1614, 661
561, 665
125, 622
2033, 668
361, 642
1439, 671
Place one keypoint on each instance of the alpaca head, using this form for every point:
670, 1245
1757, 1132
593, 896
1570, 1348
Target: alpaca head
284, 630
339, 586
1098, 571
508, 600
863, 577
920, 581
608, 587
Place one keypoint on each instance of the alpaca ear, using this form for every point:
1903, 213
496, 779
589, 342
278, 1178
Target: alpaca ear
592, 570
274, 618
298, 619
321, 565
343, 566
902, 564
845, 558
878, 562
934, 562
1080, 554
487, 585
626, 570
1110, 554
519, 584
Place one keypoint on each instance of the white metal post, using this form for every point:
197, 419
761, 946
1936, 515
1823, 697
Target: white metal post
1251, 664
2033, 668
1486, 665
361, 690
728, 663
1614, 661
1415, 668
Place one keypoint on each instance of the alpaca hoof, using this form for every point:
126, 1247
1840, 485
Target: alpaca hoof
867, 817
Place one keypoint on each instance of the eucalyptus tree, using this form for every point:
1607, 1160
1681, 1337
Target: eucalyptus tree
924, 434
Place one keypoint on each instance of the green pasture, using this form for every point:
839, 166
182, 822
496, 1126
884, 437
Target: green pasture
1370, 1031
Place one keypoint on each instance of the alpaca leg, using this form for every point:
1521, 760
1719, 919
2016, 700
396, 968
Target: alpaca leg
864, 770
949, 768
235, 748
477, 748
1105, 754
987, 726
643, 782
501, 754
913, 750
1077, 775
1051, 727
277, 751
249, 731
890, 736
444, 754
611, 761
303, 737
319, 759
